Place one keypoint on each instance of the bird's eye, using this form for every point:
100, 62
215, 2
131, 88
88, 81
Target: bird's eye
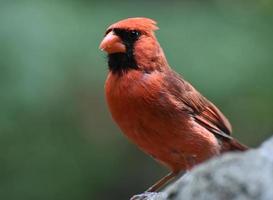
127, 35
134, 34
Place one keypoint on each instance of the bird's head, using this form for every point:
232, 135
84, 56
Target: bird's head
131, 44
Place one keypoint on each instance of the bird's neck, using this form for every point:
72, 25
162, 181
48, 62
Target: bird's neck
151, 58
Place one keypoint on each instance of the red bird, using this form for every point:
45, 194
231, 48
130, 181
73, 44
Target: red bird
164, 115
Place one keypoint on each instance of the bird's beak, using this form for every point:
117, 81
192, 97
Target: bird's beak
112, 44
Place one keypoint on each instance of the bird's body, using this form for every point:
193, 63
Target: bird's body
155, 108
157, 120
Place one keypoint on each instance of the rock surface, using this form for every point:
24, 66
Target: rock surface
233, 176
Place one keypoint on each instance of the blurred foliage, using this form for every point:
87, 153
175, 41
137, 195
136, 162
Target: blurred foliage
57, 140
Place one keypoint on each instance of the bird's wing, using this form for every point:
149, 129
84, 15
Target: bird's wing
201, 109
212, 119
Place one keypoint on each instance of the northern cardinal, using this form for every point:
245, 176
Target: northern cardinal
164, 115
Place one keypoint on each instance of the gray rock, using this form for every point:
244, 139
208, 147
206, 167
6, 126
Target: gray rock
233, 176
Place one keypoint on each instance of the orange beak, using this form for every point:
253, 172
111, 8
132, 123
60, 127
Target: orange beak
112, 44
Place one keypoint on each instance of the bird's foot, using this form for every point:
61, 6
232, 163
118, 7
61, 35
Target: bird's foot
148, 196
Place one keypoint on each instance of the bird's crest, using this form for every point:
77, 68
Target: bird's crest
138, 23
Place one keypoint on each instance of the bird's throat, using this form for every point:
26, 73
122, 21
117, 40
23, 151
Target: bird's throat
121, 62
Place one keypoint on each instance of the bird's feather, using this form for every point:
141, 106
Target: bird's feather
202, 110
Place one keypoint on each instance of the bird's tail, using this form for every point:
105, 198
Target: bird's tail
234, 145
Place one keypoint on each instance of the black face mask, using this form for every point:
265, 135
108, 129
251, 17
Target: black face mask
120, 62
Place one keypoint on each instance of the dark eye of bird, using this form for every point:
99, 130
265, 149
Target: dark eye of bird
127, 35
134, 34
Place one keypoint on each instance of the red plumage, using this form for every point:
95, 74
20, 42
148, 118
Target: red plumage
164, 115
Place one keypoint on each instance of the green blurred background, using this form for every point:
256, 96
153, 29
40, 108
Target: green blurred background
57, 139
